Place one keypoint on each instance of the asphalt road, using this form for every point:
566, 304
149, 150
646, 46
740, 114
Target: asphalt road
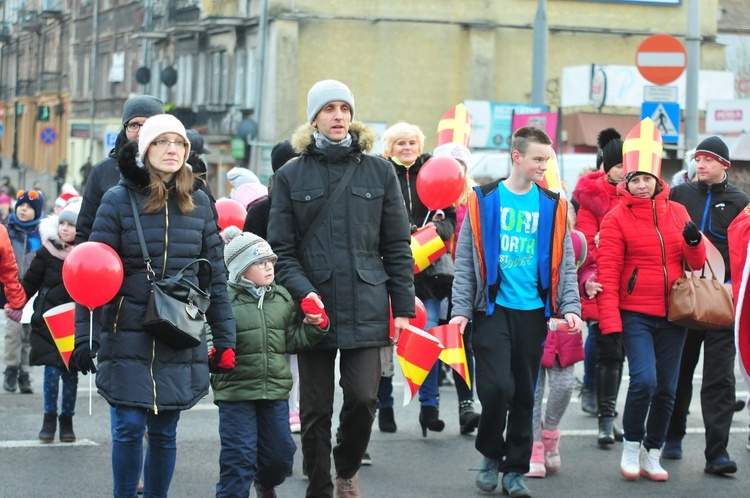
405, 464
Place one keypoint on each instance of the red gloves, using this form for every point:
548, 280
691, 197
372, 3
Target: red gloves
310, 307
221, 360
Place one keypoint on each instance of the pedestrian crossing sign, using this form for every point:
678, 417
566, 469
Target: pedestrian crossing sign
666, 118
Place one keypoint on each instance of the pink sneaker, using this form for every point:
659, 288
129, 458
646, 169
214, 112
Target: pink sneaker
294, 423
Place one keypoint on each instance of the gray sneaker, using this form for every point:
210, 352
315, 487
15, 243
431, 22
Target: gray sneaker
514, 485
487, 477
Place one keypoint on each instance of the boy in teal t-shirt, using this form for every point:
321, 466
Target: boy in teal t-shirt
515, 268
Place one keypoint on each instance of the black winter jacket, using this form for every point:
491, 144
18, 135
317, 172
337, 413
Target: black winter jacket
712, 208
418, 216
45, 276
360, 255
134, 369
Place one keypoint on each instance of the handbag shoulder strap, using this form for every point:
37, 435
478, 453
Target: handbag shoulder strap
326, 208
139, 229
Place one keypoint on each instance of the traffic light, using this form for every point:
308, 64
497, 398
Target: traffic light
43, 113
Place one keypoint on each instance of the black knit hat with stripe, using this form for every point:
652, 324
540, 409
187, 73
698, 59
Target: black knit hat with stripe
714, 147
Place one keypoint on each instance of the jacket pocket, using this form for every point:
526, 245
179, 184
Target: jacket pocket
632, 279
372, 296
367, 205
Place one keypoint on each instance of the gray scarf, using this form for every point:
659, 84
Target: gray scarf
323, 143
258, 292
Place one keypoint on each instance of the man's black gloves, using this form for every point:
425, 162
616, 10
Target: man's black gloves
691, 234
83, 357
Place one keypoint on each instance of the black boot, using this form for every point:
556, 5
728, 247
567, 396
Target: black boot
49, 426
607, 385
467, 417
386, 420
429, 418
619, 435
24, 383
66, 429
606, 431
10, 383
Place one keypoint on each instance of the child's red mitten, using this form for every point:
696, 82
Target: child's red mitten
310, 307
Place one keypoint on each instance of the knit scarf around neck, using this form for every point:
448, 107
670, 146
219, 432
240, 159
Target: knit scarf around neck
322, 142
258, 292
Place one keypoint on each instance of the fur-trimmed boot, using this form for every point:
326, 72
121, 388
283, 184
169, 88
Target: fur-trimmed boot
551, 440
536, 464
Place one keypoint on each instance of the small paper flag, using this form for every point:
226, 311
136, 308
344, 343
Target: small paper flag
426, 247
62, 325
454, 354
417, 352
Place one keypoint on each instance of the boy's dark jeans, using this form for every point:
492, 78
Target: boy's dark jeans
508, 348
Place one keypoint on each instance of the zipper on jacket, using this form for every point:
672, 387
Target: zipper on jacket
663, 257
706, 208
151, 368
408, 190
117, 315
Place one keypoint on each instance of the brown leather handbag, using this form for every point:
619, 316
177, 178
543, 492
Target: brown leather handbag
699, 303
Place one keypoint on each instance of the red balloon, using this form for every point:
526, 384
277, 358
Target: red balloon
231, 213
440, 182
92, 274
420, 321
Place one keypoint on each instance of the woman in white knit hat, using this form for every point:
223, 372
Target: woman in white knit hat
147, 383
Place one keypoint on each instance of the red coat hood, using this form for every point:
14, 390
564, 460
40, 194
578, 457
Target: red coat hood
594, 193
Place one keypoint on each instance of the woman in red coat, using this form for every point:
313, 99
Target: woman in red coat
642, 244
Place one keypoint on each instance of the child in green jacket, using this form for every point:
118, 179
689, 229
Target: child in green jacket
256, 444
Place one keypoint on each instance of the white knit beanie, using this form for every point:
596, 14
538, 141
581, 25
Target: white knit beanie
324, 92
156, 126
454, 150
242, 250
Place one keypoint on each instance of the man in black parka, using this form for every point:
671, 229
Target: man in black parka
357, 259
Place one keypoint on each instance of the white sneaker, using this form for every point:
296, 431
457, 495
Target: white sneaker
650, 466
629, 466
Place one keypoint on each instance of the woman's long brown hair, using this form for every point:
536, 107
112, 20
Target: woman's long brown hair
158, 193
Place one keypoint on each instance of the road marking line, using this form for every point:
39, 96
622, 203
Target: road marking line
35, 443
690, 430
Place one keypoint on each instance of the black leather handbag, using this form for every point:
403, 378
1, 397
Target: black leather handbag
176, 311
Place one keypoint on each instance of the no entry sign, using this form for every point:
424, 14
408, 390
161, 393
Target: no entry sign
661, 59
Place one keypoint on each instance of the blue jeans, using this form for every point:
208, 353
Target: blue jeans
653, 347
428, 393
52, 376
256, 445
590, 359
385, 392
128, 426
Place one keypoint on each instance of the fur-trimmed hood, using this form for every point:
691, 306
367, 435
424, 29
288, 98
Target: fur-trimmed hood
129, 169
48, 233
364, 137
593, 192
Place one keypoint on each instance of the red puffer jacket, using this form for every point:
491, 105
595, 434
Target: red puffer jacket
596, 197
641, 250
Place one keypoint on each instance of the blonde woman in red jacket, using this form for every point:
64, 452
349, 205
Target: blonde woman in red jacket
642, 244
